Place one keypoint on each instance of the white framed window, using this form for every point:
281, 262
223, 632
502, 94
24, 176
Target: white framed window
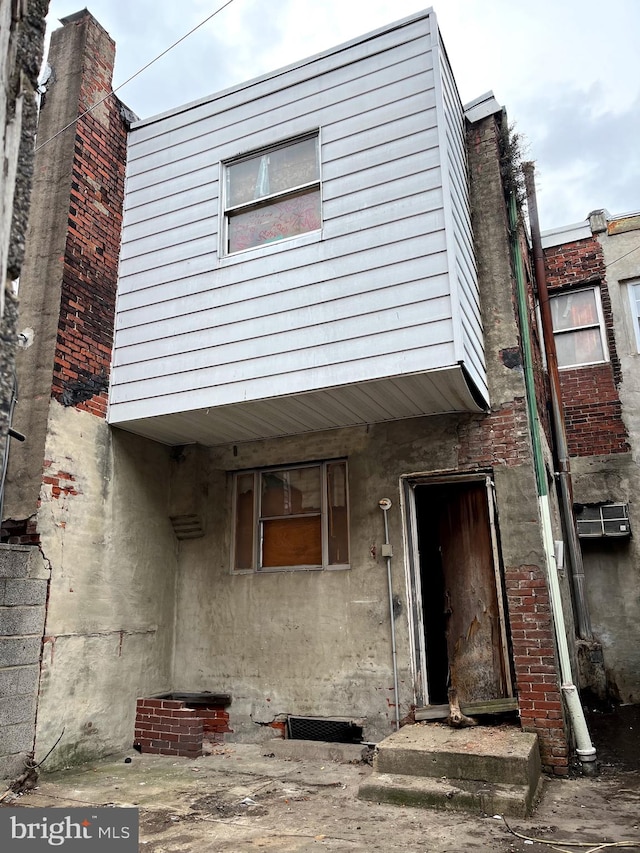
293, 517
272, 194
578, 328
634, 298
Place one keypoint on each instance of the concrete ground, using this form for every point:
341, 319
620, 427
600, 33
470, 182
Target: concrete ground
239, 799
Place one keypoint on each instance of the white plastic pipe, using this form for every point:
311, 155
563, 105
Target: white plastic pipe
585, 749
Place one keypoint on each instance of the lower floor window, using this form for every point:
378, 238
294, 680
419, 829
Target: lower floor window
293, 517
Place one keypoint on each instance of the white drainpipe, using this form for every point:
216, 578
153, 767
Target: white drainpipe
585, 750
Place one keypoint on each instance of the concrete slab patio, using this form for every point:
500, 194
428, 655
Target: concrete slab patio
240, 799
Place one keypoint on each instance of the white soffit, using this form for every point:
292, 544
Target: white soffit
400, 397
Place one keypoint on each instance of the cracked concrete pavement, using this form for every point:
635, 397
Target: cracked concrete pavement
239, 799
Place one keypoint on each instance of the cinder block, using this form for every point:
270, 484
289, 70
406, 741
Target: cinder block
19, 651
22, 591
11, 766
18, 680
18, 738
17, 620
17, 709
14, 561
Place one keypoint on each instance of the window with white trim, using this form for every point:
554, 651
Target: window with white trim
272, 194
578, 328
634, 298
293, 517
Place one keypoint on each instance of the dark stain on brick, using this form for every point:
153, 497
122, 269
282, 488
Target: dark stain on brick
83, 389
511, 357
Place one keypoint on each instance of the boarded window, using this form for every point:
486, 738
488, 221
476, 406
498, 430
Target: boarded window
578, 328
273, 195
292, 518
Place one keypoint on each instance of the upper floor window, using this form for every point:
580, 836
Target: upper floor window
634, 296
291, 518
272, 194
578, 328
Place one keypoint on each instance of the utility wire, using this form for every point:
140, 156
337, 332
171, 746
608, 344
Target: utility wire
137, 73
630, 252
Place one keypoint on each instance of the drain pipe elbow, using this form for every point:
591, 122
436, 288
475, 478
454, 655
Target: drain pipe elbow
585, 750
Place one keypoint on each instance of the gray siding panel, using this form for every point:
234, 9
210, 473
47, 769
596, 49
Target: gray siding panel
188, 394
367, 297
463, 259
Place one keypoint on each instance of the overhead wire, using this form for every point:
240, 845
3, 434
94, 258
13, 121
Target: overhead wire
630, 252
133, 76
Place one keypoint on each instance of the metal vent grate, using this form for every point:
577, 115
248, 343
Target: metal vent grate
320, 728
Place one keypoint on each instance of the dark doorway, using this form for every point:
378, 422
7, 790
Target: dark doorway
461, 602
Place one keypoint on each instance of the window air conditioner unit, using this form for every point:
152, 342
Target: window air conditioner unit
603, 520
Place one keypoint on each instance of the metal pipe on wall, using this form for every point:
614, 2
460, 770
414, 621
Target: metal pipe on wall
385, 506
584, 748
583, 619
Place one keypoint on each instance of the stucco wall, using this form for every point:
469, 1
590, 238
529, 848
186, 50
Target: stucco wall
106, 536
612, 568
319, 643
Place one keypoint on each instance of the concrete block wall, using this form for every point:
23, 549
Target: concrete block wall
23, 596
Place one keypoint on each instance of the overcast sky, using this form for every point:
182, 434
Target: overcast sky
566, 70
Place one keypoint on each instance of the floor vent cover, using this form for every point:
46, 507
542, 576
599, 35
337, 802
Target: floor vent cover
320, 728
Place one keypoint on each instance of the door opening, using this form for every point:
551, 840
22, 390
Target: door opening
457, 592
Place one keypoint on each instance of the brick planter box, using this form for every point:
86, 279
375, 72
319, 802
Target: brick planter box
178, 726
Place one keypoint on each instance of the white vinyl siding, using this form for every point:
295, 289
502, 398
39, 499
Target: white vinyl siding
380, 293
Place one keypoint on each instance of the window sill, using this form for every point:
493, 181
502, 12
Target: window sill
289, 569
586, 364
270, 248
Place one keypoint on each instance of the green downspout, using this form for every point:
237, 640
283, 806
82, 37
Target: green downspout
529, 379
585, 750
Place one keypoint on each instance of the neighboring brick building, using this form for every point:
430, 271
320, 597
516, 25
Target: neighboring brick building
273, 378
593, 269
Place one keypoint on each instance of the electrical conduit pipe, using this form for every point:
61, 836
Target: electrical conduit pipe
385, 506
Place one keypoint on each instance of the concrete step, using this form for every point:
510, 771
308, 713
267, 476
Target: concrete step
460, 795
492, 754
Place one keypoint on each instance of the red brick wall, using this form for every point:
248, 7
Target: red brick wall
85, 331
502, 438
497, 438
535, 665
580, 262
592, 409
169, 727
166, 727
